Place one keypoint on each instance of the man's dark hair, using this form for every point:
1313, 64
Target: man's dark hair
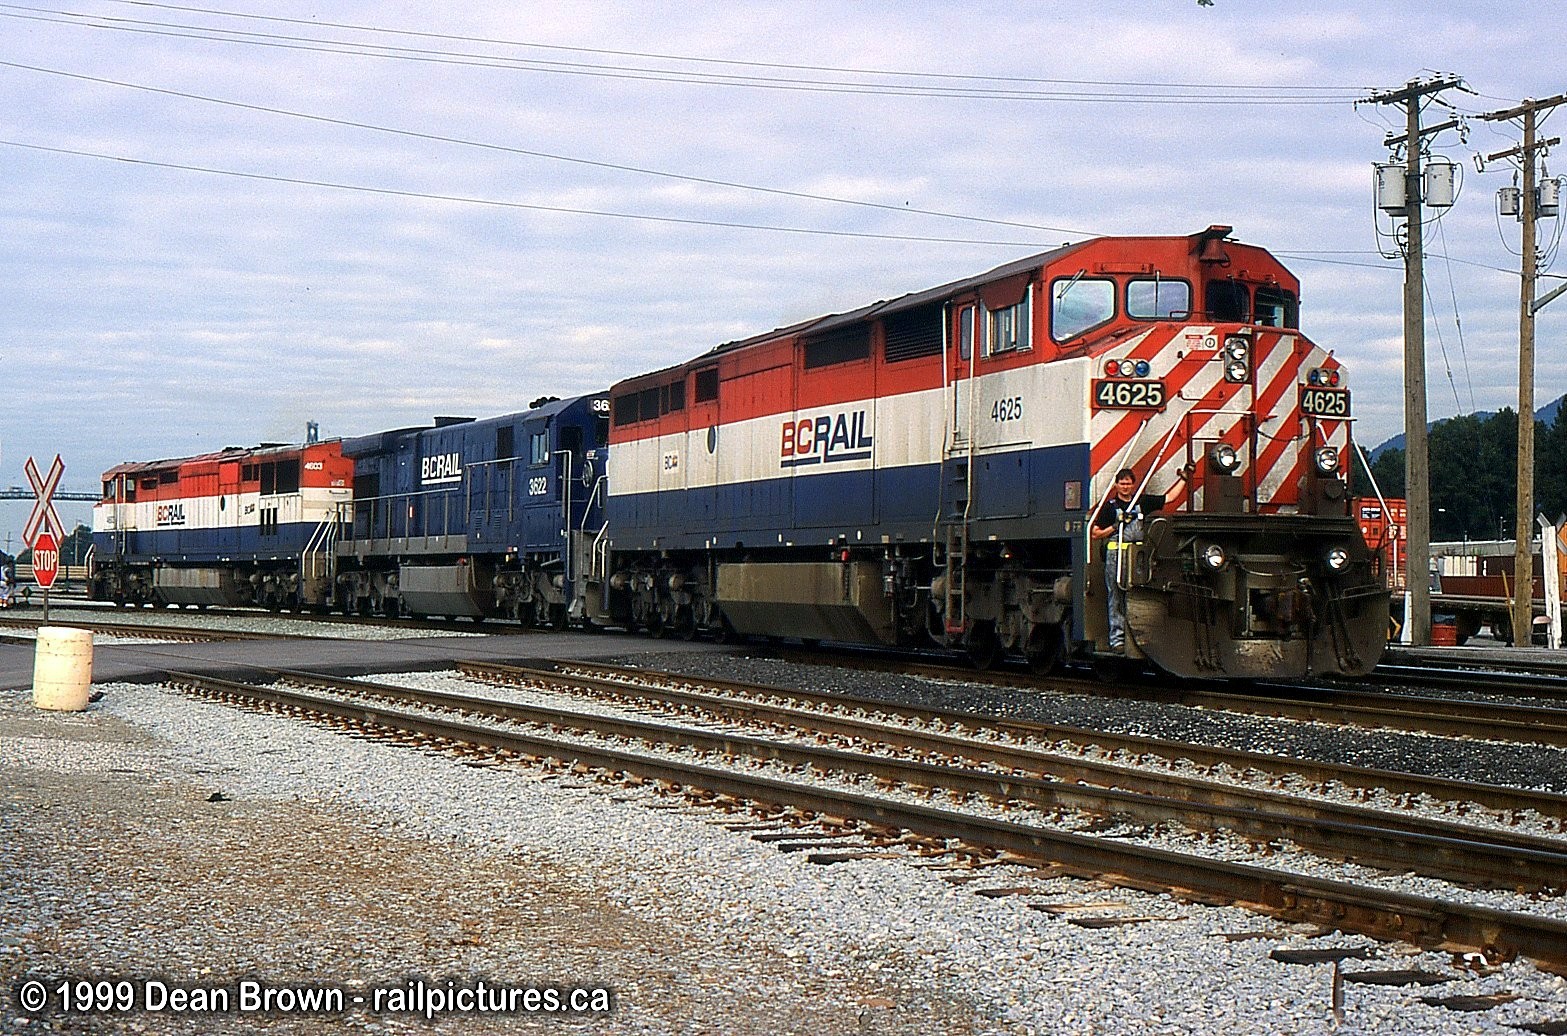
1126, 473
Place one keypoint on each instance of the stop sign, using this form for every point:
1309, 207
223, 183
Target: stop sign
46, 559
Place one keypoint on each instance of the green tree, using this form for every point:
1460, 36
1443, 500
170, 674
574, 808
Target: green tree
1388, 469
73, 549
1550, 466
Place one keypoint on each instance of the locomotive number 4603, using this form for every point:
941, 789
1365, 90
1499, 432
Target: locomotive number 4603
1130, 395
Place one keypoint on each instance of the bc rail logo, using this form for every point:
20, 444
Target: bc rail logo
440, 469
828, 439
169, 515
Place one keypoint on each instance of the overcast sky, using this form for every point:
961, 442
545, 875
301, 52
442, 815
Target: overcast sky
221, 222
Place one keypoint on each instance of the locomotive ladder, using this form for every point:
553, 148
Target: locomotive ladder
957, 498
957, 557
956, 508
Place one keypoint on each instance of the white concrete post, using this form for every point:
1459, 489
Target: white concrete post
1553, 583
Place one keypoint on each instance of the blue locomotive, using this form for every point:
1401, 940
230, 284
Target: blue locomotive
477, 518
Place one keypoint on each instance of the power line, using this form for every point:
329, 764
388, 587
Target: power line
679, 76
313, 23
465, 142
497, 203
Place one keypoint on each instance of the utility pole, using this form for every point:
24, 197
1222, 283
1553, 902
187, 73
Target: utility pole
1528, 214
1417, 472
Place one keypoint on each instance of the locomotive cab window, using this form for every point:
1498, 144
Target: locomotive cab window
1079, 303
571, 443
539, 448
1158, 299
707, 385
1277, 307
966, 332
1007, 329
1228, 302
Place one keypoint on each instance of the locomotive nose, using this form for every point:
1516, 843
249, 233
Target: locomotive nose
1251, 596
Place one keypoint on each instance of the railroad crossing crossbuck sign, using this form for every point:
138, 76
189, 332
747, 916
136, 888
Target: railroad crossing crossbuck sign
44, 517
46, 559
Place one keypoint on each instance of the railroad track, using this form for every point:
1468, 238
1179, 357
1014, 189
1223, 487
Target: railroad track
949, 769
1337, 706
137, 630
1544, 685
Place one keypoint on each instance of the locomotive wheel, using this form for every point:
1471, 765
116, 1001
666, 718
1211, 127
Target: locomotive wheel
1046, 649
981, 645
558, 617
1502, 628
685, 623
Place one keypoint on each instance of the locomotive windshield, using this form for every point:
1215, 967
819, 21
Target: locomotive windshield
1158, 299
1233, 302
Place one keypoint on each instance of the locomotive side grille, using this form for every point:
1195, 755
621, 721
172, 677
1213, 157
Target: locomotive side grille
913, 333
838, 346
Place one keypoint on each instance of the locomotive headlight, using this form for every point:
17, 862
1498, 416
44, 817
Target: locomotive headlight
1237, 359
1326, 459
1337, 559
1213, 556
1223, 458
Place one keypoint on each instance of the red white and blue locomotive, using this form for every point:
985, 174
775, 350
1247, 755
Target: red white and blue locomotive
920, 470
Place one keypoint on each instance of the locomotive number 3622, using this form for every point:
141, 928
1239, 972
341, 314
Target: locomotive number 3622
1130, 395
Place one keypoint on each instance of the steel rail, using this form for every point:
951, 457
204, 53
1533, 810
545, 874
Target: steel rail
1547, 686
1434, 847
148, 630
1383, 913
1311, 702
1492, 796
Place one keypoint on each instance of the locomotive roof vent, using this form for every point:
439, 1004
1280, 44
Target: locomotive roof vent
443, 422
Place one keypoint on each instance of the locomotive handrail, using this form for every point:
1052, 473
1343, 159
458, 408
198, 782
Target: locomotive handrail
1387, 515
601, 552
373, 503
587, 506
321, 541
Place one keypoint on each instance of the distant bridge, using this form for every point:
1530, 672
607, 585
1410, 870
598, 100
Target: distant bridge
18, 493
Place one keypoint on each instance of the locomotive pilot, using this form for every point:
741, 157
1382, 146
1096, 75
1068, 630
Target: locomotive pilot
1119, 524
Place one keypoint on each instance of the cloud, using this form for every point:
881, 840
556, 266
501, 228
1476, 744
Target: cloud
154, 311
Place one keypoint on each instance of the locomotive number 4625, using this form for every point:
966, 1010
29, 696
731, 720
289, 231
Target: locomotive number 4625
1130, 395
1324, 402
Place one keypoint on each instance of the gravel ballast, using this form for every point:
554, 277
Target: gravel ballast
334, 859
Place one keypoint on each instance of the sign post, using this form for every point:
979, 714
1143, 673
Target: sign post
44, 531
